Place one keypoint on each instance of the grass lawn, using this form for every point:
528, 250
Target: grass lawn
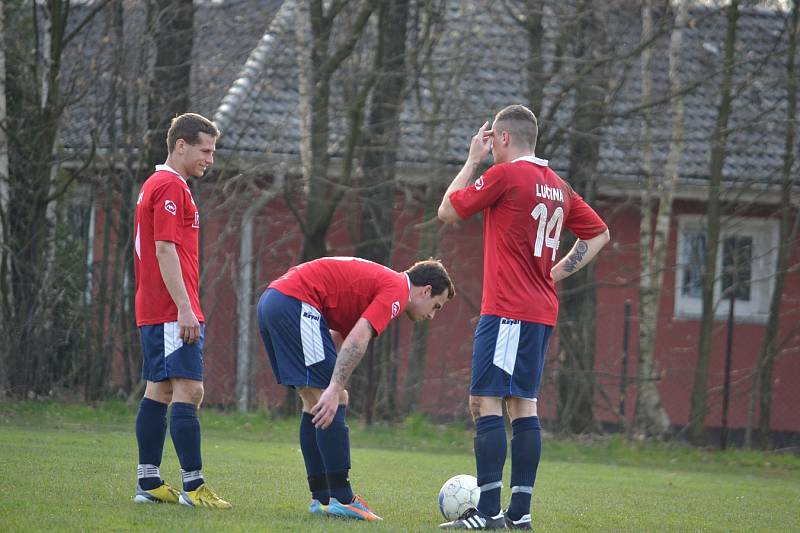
69, 468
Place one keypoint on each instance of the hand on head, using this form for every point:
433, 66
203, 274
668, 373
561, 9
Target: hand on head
481, 143
486, 131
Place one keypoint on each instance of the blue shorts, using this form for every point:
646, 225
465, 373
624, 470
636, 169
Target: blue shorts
298, 342
165, 355
508, 357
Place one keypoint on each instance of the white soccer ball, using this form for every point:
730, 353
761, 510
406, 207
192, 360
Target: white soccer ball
458, 494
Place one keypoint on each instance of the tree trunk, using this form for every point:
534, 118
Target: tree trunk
173, 37
534, 65
110, 331
763, 379
101, 336
5, 281
318, 63
382, 135
378, 190
244, 308
651, 418
578, 296
537, 75
131, 129
34, 112
428, 247
696, 427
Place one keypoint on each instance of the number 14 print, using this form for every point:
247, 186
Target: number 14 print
549, 231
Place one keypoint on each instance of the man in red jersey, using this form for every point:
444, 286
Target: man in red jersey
300, 314
525, 205
171, 323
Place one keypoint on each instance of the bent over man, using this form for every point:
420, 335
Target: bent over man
302, 316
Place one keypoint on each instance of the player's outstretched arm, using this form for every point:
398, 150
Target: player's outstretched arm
581, 255
478, 149
353, 348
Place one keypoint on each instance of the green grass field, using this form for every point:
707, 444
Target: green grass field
72, 468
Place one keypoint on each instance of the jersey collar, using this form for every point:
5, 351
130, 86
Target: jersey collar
170, 169
532, 159
408, 280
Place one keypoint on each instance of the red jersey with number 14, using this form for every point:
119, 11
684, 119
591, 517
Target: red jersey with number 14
525, 206
165, 211
344, 289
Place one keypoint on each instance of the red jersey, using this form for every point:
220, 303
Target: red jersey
345, 289
165, 211
525, 204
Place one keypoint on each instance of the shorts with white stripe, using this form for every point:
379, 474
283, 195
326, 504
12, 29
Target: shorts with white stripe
165, 356
508, 357
297, 339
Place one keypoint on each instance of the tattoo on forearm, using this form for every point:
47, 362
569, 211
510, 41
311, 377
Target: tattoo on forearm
576, 256
346, 362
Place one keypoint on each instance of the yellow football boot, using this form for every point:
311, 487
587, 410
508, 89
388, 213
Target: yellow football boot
161, 494
203, 496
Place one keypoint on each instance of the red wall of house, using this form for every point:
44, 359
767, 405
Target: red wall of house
677, 339
446, 375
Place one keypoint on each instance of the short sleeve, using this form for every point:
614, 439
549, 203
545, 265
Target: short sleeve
478, 196
582, 220
168, 203
385, 307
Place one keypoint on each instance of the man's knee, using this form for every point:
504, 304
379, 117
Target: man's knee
484, 406
187, 391
520, 407
159, 391
195, 396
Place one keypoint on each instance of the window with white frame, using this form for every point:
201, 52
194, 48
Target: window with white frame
746, 259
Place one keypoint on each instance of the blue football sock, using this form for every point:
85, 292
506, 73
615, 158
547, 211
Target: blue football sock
490, 457
334, 447
315, 467
151, 430
526, 449
184, 427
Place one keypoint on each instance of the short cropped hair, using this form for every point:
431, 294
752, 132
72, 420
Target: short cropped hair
188, 127
520, 122
432, 272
